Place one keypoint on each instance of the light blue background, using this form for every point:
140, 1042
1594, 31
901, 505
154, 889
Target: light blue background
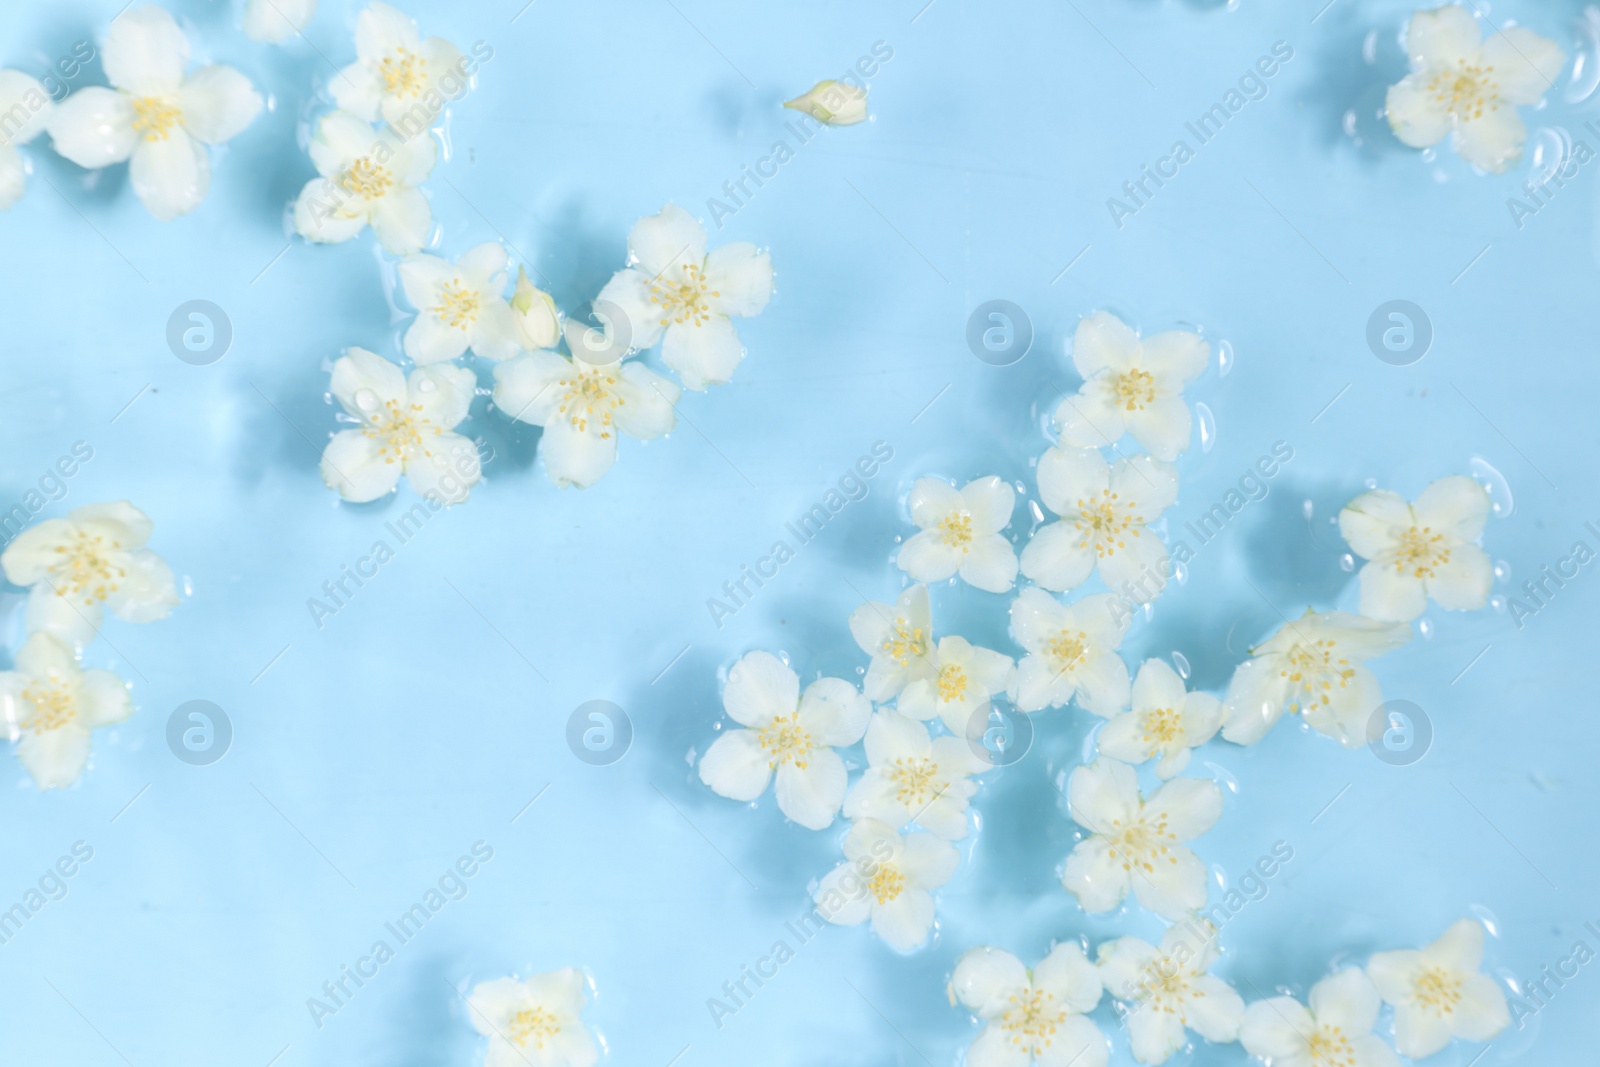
423, 717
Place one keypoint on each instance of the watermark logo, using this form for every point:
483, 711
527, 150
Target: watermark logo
599, 732
199, 733
199, 332
998, 733
1399, 733
999, 333
1399, 332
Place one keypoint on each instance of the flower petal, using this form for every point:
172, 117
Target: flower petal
218, 103
990, 502
1175, 357
353, 465
1189, 806
1068, 475
1373, 522
1390, 593
1277, 1029
812, 795
93, 127
1067, 975
1457, 504
1493, 141
647, 409
834, 712
990, 563
147, 591
702, 354
447, 471
55, 758
1415, 114
1162, 426
1216, 1014
170, 176
1443, 37
1525, 64
736, 766
402, 221
666, 241
1103, 341
1057, 557
1348, 1000
986, 979
527, 388
1090, 419
759, 688
741, 276
144, 52
904, 922
926, 557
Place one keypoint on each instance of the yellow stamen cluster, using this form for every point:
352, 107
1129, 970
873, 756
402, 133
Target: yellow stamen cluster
1162, 726
366, 179
458, 306
1421, 552
905, 642
591, 396
1466, 91
916, 779
1133, 389
1142, 843
1104, 522
532, 1024
50, 705
400, 429
404, 73
1437, 989
154, 118
1330, 1048
952, 683
687, 300
1031, 1020
887, 884
1315, 670
1067, 649
784, 740
87, 567
955, 530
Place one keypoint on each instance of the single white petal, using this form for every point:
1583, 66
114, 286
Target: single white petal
144, 52
1103, 794
1457, 504
1058, 557
1276, 1029
1069, 475
993, 1047
146, 592
317, 216
117, 520
1443, 37
927, 557
1255, 701
990, 563
1103, 341
1077, 1042
54, 758
990, 502
667, 241
275, 21
170, 176
1217, 1013
402, 221
1492, 142
1096, 875
447, 471
1189, 806
1174, 357
736, 766
364, 383
218, 103
13, 176
1525, 64
103, 698
1419, 1032
986, 979
812, 795
626, 299
1153, 1036
93, 127
841, 897
904, 922
1391, 592
1162, 426
1373, 522
759, 688
1415, 113
528, 387
353, 465
24, 92
1482, 1012
1103, 683
647, 409
1090, 419
834, 712
703, 354
1174, 887
741, 277
1067, 975
1348, 1000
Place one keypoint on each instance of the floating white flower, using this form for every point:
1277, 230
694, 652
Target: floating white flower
1335, 1032
1031, 1016
787, 732
899, 638
1105, 511
156, 116
672, 291
1165, 721
275, 21
960, 533
406, 428
538, 323
25, 109
583, 407
1470, 87
1313, 666
914, 778
1134, 843
369, 176
1438, 992
1420, 550
396, 70
91, 560
966, 677
1072, 651
1130, 386
535, 1022
49, 705
459, 305
1168, 992
835, 103
899, 874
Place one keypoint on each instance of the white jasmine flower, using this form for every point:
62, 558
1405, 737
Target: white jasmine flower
1134, 843
1438, 992
535, 1022
1130, 386
459, 305
1168, 992
672, 291
899, 639
25, 110
405, 429
1105, 511
960, 533
91, 560
914, 778
583, 407
1165, 721
790, 733
1420, 550
156, 116
899, 871
966, 677
1313, 666
275, 21
1336, 1031
1031, 1016
1468, 87
836, 103
369, 176
395, 70
1072, 651
50, 705
538, 322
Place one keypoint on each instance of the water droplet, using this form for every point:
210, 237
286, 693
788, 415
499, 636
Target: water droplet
1208, 427
1425, 628
1585, 77
1307, 508
1347, 562
1498, 603
1500, 499
1224, 777
1429, 155
1349, 124
1180, 663
1180, 573
1036, 511
1369, 48
426, 386
1487, 918
327, 398
366, 400
1371, 483
1224, 358
1502, 571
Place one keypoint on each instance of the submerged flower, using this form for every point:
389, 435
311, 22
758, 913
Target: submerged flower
899, 873
836, 103
369, 176
1438, 992
1469, 87
1313, 666
672, 291
93, 559
1165, 721
459, 305
788, 734
914, 778
25, 109
535, 1022
406, 428
1168, 991
960, 533
396, 70
1072, 651
965, 678
275, 21
1105, 511
1130, 386
49, 705
1336, 1031
583, 407
538, 323
1134, 843
1420, 550
899, 639
1031, 1016
156, 116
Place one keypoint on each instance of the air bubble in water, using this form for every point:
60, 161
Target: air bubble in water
1500, 499
1369, 48
1224, 358
1502, 571
1425, 628
1180, 663
1585, 76
1498, 603
1347, 562
1208, 427
1307, 508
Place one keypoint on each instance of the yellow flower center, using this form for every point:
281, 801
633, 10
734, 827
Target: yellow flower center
399, 429
687, 300
1162, 726
905, 642
1134, 389
887, 884
532, 1024
1104, 522
1142, 843
591, 395
51, 705
955, 530
1167, 986
1315, 670
952, 683
154, 117
1067, 649
458, 306
404, 73
1466, 91
1421, 552
366, 179
1438, 989
90, 566
1329, 1046
1031, 1021
785, 741
917, 781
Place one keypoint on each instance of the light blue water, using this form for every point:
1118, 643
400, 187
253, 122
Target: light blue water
427, 713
